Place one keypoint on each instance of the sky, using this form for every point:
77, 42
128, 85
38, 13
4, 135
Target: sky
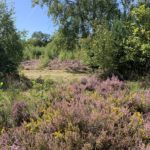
30, 18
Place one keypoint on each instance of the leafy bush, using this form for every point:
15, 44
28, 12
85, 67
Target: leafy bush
137, 47
58, 48
10, 44
65, 55
131, 43
122, 49
33, 52
99, 48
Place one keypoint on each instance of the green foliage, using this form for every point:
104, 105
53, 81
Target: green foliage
34, 42
137, 47
53, 49
119, 35
76, 18
65, 55
58, 48
117, 41
56, 45
35, 47
131, 42
125, 49
39, 39
99, 48
32, 52
10, 44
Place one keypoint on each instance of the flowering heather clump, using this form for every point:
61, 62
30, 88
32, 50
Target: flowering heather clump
70, 65
20, 113
17, 139
147, 125
139, 101
110, 86
84, 123
91, 114
147, 100
92, 84
84, 81
94, 123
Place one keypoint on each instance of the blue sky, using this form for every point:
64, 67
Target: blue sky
31, 18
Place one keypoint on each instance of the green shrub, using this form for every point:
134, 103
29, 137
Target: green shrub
33, 52
137, 46
99, 49
131, 41
123, 49
57, 48
10, 44
65, 55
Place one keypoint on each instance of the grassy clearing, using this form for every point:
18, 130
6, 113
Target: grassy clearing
56, 75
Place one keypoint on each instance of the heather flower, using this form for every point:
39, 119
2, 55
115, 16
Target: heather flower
20, 113
91, 114
84, 81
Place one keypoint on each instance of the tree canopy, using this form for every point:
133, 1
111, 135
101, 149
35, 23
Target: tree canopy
79, 16
114, 34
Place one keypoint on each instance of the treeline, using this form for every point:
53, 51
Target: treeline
110, 35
